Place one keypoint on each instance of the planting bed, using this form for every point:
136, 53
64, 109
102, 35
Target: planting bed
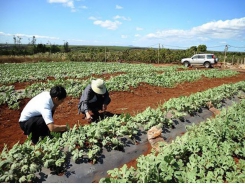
133, 102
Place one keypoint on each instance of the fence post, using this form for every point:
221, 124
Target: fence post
105, 54
158, 52
226, 49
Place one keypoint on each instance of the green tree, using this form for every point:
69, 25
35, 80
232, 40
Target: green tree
19, 40
66, 47
15, 40
202, 48
54, 49
193, 48
41, 48
33, 42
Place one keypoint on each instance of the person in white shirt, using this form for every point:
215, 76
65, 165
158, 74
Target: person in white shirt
37, 116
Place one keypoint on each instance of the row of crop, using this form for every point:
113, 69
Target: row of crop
189, 76
121, 82
205, 154
20, 163
11, 73
166, 79
192, 103
10, 97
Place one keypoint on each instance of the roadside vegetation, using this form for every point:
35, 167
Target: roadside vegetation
32, 52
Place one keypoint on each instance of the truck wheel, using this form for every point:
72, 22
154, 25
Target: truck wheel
186, 64
207, 64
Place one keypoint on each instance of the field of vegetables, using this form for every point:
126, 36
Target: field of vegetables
141, 96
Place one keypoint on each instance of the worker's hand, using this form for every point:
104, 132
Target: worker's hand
64, 128
104, 107
67, 127
89, 117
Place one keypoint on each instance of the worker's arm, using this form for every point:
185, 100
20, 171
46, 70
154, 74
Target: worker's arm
104, 107
56, 128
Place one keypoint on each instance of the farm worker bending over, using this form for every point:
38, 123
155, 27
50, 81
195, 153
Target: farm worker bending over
95, 97
37, 115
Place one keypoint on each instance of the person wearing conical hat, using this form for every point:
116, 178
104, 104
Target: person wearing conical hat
94, 98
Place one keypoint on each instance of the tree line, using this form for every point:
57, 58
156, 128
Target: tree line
31, 48
112, 54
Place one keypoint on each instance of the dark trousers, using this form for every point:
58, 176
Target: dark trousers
94, 106
35, 126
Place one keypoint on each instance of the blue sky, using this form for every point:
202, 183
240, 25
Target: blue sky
177, 24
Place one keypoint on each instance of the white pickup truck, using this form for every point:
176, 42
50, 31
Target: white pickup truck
206, 60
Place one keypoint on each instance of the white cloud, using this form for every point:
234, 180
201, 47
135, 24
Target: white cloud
58, 1
68, 3
137, 35
92, 18
121, 17
77, 40
222, 29
119, 7
84, 7
124, 36
5, 34
108, 24
29, 36
139, 28
227, 29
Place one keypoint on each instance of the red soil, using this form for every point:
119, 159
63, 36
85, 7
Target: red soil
132, 102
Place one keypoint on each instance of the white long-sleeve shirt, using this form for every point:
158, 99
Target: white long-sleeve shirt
41, 104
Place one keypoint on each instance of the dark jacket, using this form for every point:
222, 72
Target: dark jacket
90, 99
